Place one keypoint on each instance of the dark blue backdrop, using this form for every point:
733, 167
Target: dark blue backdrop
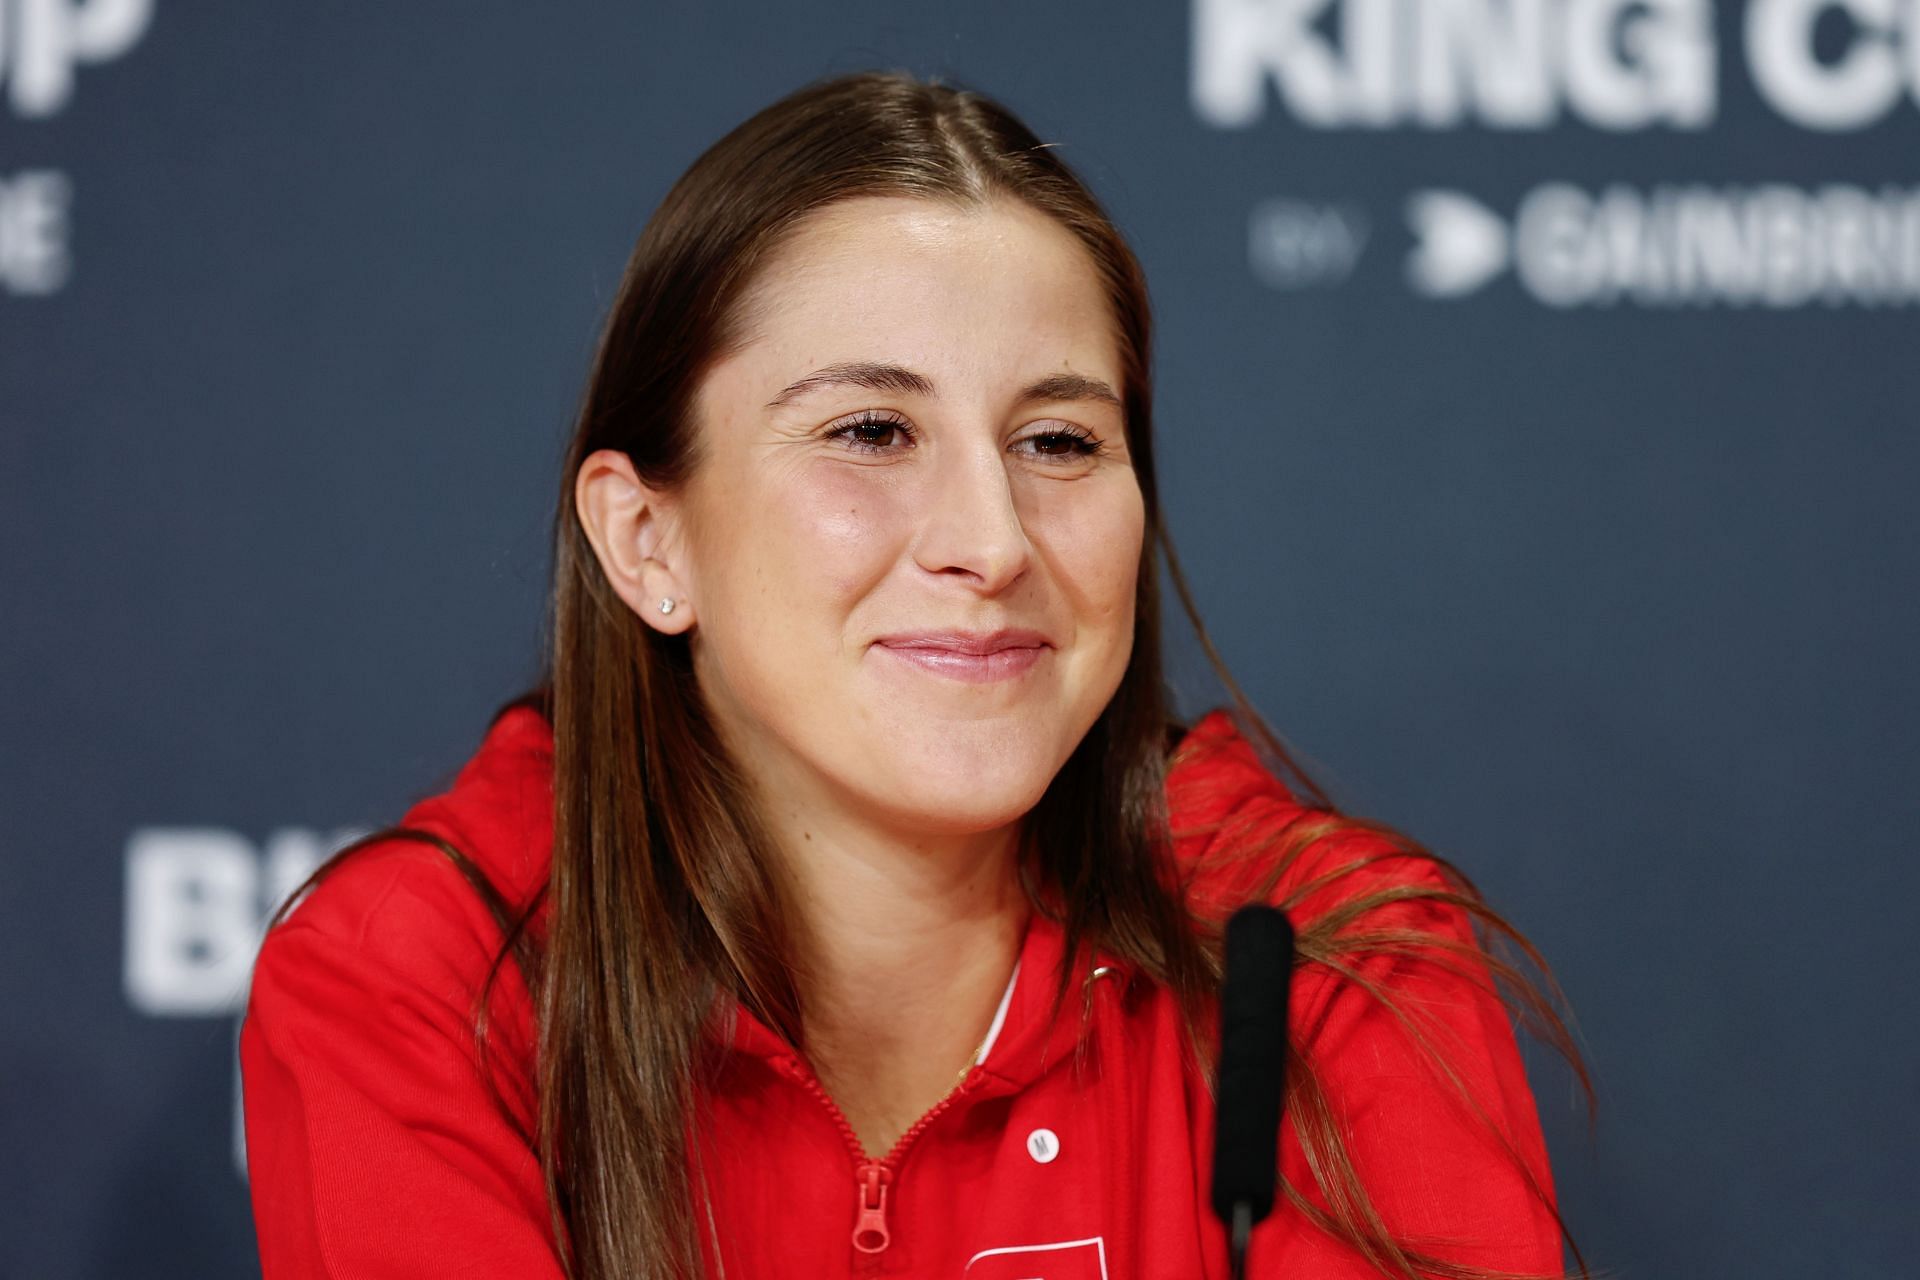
1537, 409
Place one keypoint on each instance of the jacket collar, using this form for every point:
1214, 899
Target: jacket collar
1029, 1043
506, 794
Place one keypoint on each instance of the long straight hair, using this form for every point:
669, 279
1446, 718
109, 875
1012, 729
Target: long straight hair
661, 905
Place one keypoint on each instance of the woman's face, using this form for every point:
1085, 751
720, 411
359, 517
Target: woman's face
912, 541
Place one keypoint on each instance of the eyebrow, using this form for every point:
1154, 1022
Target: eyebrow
899, 380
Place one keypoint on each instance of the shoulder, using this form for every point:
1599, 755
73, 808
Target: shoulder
1239, 834
1374, 912
401, 905
385, 1057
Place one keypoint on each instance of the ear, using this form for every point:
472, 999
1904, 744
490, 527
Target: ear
635, 532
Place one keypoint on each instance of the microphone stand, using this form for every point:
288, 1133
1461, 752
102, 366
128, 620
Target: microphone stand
1258, 955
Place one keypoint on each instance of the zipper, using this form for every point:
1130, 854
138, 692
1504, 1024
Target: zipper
870, 1233
872, 1178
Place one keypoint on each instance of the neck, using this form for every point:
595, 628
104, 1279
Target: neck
907, 944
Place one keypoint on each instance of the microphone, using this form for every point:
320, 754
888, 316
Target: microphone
1253, 1056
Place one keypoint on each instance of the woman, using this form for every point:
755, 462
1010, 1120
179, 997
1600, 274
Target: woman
846, 899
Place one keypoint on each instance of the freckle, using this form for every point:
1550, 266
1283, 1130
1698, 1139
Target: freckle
806, 835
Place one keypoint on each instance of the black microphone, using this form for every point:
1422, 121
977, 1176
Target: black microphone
1253, 1057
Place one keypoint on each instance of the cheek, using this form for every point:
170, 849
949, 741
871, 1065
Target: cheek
1094, 542
833, 531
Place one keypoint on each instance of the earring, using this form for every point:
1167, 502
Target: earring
666, 604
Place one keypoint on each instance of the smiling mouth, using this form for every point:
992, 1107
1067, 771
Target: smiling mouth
972, 668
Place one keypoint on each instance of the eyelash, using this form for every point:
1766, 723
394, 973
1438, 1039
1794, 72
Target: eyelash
1084, 445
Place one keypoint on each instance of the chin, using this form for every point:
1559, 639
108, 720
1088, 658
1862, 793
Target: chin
955, 813
953, 784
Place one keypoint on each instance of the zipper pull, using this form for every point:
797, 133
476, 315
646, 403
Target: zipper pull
870, 1230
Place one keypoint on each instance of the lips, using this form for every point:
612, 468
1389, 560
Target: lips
973, 657
977, 643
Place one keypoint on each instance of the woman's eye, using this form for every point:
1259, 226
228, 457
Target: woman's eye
1064, 444
872, 434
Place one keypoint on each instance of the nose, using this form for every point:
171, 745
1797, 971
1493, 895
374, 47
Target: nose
971, 526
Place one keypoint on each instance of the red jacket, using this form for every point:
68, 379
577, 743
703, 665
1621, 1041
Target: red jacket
374, 1148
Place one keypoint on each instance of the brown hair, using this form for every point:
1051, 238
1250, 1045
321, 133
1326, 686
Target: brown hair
661, 896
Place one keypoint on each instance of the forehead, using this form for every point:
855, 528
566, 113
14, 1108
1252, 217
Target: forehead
988, 292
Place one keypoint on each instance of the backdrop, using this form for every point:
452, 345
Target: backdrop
1537, 407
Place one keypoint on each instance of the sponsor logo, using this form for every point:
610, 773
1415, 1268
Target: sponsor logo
1461, 246
1769, 245
1297, 244
197, 903
44, 42
33, 232
1617, 65
1067, 1260
1531, 64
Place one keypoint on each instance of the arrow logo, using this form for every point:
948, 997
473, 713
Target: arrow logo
1462, 244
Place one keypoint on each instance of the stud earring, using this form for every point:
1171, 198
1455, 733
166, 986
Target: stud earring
667, 603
